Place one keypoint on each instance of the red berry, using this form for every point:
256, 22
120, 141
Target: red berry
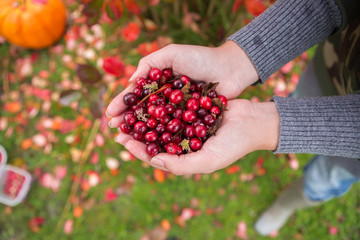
151, 110
165, 120
171, 148
167, 72
201, 112
176, 96
140, 127
153, 98
178, 113
138, 92
125, 128
209, 119
198, 86
189, 116
215, 110
170, 109
161, 101
160, 112
152, 149
195, 144
223, 99
178, 84
160, 128
196, 95
212, 94
155, 74
167, 92
140, 82
138, 136
174, 125
130, 99
200, 131
151, 136
185, 79
193, 104
166, 137
130, 119
151, 122
205, 102
179, 150
189, 131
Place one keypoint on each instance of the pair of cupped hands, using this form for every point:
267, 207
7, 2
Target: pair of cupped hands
246, 126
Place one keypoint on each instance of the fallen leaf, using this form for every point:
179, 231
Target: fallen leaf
241, 230
159, 175
68, 226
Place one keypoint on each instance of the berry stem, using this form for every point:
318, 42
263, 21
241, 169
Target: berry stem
156, 92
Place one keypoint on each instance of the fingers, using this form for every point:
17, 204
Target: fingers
117, 105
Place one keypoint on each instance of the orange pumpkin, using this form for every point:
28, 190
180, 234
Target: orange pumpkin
32, 23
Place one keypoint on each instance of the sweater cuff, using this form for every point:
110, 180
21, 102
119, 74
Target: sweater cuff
285, 30
320, 125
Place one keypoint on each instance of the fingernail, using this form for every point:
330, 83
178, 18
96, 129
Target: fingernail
109, 123
157, 162
115, 138
107, 114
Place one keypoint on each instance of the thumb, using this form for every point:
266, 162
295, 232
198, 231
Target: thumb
142, 71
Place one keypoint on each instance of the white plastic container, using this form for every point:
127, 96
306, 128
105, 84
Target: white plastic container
3, 158
23, 190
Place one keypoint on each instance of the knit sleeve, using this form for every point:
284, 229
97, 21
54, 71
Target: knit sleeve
320, 125
285, 30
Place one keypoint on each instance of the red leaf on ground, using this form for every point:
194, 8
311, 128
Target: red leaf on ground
159, 175
241, 230
233, 169
255, 7
147, 48
333, 230
110, 195
35, 223
131, 32
237, 5
113, 65
68, 226
132, 6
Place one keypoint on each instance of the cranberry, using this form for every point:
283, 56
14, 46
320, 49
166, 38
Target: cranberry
160, 128
138, 92
177, 139
179, 150
189, 131
153, 98
165, 120
192, 104
178, 84
151, 110
223, 99
197, 122
212, 94
131, 99
185, 79
178, 113
146, 92
201, 112
151, 122
199, 85
200, 131
167, 92
161, 101
130, 119
205, 102
196, 95
209, 119
192, 87
195, 144
170, 109
174, 125
167, 72
160, 112
140, 82
189, 116
215, 110
138, 136
151, 136
166, 137
148, 81
152, 149
176, 96
171, 148
125, 128
140, 127
155, 74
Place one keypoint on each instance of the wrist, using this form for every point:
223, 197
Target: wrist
268, 122
238, 64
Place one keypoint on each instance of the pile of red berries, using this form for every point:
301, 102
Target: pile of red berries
13, 184
172, 114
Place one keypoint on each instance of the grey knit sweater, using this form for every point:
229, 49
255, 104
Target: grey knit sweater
323, 125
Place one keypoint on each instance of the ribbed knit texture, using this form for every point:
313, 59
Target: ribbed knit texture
320, 125
285, 30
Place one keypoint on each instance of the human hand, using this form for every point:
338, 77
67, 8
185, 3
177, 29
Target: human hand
227, 64
246, 127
